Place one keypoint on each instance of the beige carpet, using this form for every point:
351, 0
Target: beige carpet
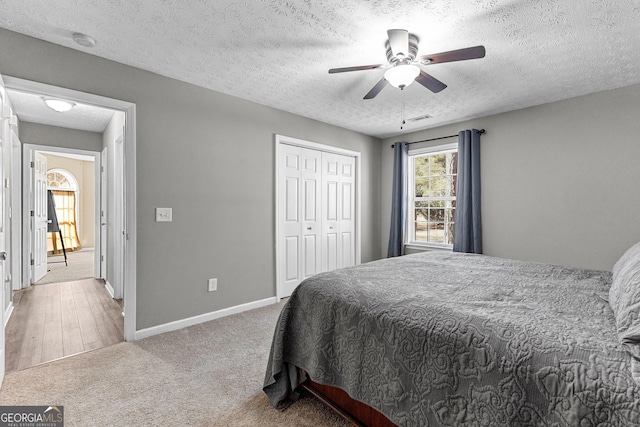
205, 375
79, 266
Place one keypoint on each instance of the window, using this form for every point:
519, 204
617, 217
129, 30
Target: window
432, 195
58, 179
65, 188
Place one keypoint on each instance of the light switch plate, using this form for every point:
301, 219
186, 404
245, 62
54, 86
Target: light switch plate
164, 214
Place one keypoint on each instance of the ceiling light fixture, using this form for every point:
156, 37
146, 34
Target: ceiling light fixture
402, 75
58, 105
83, 40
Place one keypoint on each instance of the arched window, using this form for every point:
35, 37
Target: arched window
60, 179
64, 187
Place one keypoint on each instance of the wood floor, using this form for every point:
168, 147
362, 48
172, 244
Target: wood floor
61, 319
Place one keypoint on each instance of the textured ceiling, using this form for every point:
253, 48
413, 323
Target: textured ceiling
31, 108
277, 53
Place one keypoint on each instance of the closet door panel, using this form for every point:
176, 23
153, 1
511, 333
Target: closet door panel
290, 214
316, 210
310, 196
331, 207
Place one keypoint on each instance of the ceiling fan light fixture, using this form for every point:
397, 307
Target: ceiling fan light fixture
402, 75
58, 105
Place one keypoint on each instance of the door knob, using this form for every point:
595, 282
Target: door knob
3, 256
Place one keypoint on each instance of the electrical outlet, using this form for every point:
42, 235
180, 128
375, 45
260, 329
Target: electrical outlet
213, 285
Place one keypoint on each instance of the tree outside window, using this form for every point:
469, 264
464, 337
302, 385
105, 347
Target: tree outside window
432, 197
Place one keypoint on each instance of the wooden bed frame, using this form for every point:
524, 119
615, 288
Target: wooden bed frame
354, 412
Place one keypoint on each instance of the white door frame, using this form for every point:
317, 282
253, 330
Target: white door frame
118, 221
28, 150
279, 141
129, 167
101, 268
5, 119
16, 212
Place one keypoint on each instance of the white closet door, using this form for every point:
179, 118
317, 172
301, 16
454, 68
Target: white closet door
347, 211
299, 181
338, 211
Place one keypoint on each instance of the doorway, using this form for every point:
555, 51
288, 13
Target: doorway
125, 251
73, 200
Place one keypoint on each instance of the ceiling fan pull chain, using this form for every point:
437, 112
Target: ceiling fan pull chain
402, 122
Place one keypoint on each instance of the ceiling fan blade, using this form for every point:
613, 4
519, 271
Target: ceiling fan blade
453, 55
399, 43
430, 82
359, 68
376, 89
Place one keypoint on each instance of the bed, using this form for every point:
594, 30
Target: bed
450, 339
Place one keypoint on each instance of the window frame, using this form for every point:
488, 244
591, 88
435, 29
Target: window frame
74, 186
410, 240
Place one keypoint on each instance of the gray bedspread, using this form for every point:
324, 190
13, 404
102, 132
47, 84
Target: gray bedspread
459, 340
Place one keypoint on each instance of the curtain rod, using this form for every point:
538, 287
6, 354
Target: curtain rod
481, 131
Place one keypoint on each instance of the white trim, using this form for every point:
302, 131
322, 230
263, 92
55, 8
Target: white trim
27, 149
69, 176
206, 317
281, 139
409, 230
131, 239
433, 149
129, 110
7, 313
428, 247
109, 288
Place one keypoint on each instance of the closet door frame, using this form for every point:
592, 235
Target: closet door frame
281, 140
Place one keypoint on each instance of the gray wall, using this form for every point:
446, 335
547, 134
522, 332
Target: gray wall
32, 133
210, 157
559, 181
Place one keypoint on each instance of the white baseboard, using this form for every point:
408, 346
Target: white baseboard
109, 288
7, 313
190, 321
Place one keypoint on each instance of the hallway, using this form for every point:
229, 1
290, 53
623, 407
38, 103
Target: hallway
57, 320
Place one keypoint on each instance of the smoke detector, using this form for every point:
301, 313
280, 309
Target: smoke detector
83, 40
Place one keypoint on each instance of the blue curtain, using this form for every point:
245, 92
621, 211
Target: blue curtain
398, 200
467, 232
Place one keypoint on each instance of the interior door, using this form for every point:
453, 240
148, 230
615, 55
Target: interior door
310, 175
16, 212
118, 222
346, 239
299, 212
338, 211
4, 129
39, 216
103, 214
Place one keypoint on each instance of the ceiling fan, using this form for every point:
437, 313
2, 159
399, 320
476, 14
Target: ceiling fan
403, 69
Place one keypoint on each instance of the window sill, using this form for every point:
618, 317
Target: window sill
427, 247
